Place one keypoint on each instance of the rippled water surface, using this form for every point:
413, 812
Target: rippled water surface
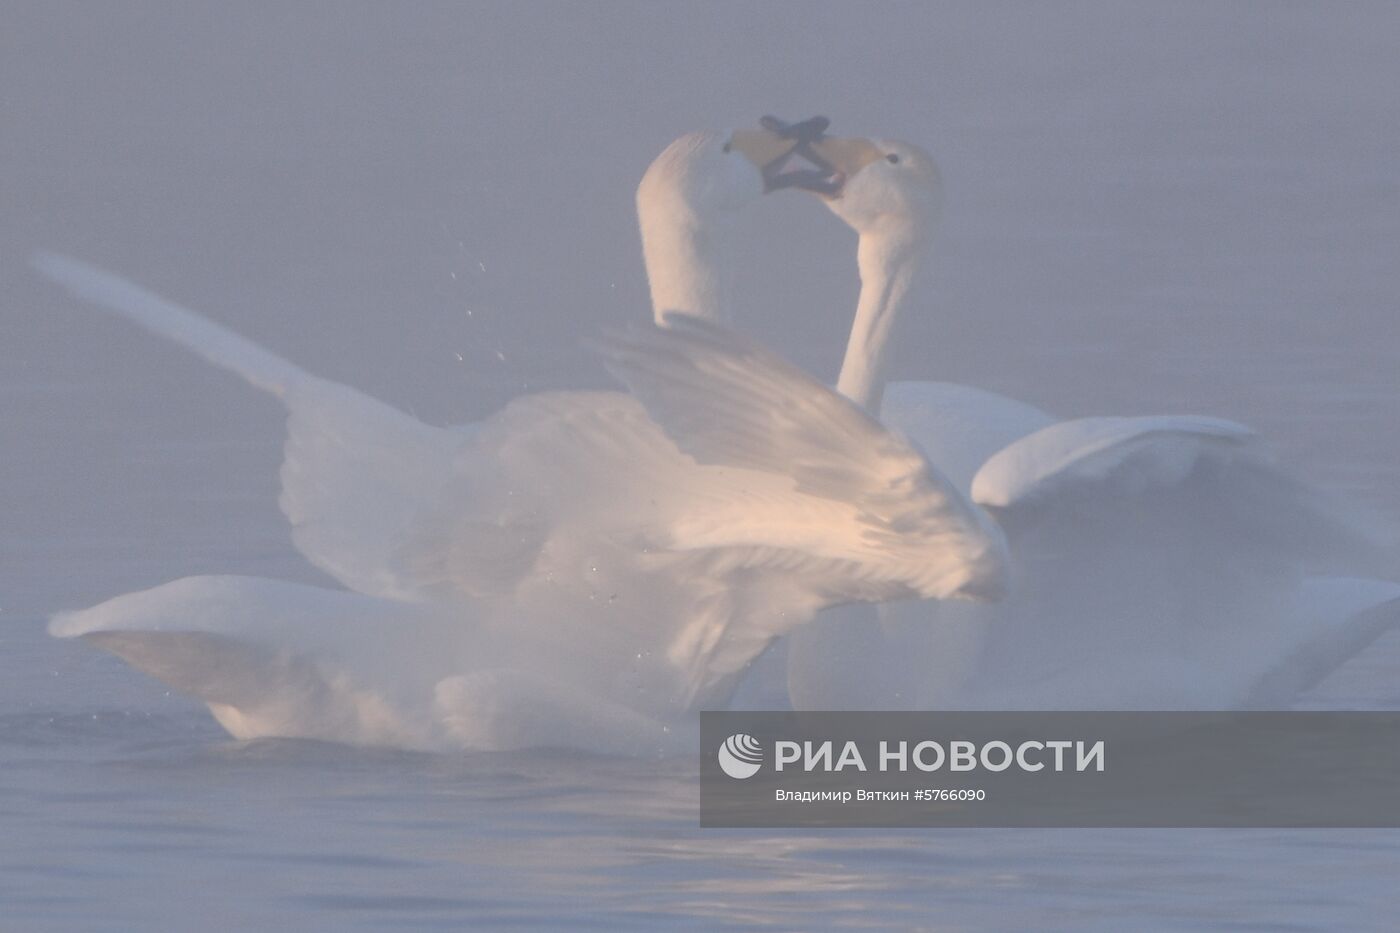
1158, 209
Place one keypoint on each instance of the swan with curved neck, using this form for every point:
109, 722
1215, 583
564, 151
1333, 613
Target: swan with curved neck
689, 204
1111, 523
564, 563
893, 197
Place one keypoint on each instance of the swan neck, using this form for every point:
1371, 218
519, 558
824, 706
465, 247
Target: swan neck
687, 259
888, 269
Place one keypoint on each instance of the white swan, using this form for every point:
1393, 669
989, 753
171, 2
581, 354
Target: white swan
561, 574
688, 206
1160, 562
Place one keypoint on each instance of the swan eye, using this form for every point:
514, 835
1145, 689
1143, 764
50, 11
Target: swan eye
892, 159
728, 146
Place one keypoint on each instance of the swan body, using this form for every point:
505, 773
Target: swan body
272, 658
1157, 562
564, 563
561, 573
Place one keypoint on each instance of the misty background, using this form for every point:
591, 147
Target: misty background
1184, 208
1151, 208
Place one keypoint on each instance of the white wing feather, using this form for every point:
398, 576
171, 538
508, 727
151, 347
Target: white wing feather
272, 658
1209, 467
729, 402
357, 473
276, 658
958, 427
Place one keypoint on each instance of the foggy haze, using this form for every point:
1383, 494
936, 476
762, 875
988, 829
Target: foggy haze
1150, 208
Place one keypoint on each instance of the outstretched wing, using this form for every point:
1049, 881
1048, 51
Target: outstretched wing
357, 473
1159, 563
273, 658
1340, 618
1154, 471
728, 402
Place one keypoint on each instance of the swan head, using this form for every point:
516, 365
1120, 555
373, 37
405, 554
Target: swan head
887, 187
708, 174
692, 196
892, 195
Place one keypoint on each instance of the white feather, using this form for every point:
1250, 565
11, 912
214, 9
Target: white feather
356, 472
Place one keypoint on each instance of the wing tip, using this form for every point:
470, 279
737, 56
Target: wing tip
64, 270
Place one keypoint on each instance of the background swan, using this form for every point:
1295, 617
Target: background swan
1159, 562
562, 573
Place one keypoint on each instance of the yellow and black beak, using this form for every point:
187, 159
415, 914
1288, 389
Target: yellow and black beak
846, 155
786, 154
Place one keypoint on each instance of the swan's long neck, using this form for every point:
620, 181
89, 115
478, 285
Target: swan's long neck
889, 265
686, 259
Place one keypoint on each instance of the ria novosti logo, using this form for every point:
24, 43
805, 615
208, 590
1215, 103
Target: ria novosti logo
741, 756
